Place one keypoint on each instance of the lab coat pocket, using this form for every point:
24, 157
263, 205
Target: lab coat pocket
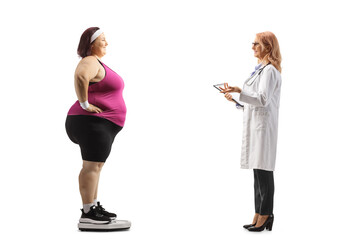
260, 120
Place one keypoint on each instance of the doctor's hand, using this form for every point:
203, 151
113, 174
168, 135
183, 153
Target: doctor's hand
229, 97
229, 89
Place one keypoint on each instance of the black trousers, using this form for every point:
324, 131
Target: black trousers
263, 191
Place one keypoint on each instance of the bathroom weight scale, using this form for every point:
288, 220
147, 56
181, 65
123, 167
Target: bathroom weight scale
114, 225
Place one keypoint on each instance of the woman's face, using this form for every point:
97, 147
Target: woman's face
258, 53
99, 45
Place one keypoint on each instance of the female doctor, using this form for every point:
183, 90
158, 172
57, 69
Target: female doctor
261, 95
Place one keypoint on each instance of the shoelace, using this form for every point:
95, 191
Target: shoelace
103, 211
101, 208
97, 214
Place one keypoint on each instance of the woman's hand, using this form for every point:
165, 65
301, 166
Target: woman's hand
229, 97
93, 108
228, 89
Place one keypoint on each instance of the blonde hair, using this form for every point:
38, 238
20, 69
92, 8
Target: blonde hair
269, 43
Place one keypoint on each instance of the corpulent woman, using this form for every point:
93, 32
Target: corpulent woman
94, 120
261, 95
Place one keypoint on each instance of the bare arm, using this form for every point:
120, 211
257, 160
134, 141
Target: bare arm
86, 70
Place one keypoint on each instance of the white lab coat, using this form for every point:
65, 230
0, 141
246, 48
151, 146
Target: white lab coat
261, 93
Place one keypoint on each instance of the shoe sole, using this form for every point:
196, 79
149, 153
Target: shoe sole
112, 226
91, 221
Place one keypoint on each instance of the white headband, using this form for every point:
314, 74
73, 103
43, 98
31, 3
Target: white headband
95, 35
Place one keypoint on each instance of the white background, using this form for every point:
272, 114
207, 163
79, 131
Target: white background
174, 169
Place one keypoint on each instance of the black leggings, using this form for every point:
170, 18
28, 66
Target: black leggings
263, 191
94, 135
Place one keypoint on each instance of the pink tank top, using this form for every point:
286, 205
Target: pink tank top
107, 95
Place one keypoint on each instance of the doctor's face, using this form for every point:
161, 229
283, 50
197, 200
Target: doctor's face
258, 53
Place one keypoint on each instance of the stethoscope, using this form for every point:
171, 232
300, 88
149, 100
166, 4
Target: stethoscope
250, 80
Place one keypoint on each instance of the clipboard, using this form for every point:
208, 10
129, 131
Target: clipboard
217, 86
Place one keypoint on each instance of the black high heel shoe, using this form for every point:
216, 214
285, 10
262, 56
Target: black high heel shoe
268, 225
249, 225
